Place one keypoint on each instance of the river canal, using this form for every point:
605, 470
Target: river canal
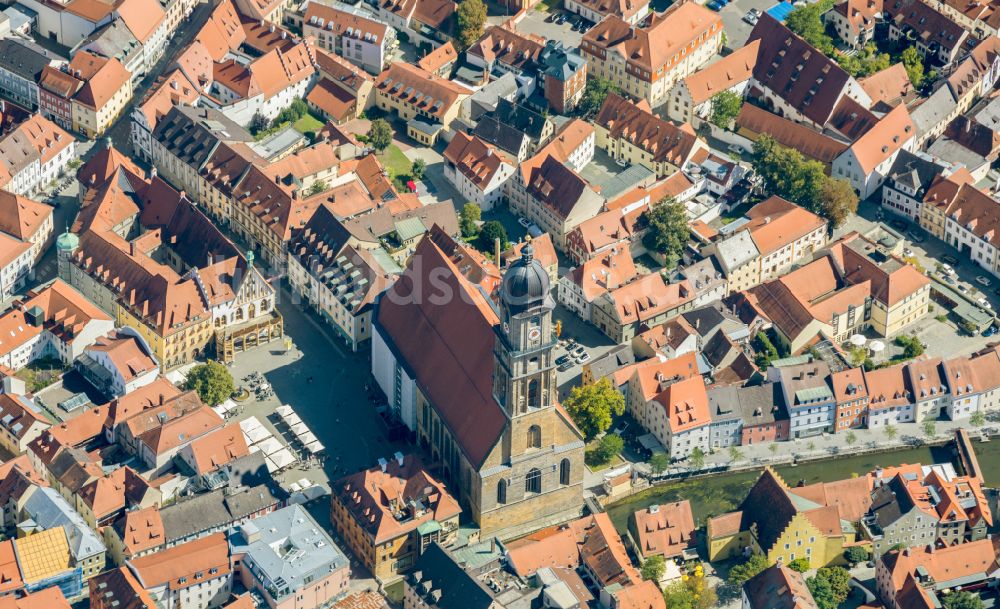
722, 493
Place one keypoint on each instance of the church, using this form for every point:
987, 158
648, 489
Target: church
474, 379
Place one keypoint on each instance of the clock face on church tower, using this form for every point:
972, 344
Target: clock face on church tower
534, 333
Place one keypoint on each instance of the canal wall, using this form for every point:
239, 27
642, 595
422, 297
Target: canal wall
657, 481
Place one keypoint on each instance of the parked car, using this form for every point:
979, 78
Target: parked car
550, 18
915, 235
735, 149
907, 252
949, 280
715, 6
583, 359
566, 366
561, 19
963, 288
983, 281
997, 291
751, 17
524, 222
946, 268
577, 351
949, 259
990, 331
897, 223
562, 359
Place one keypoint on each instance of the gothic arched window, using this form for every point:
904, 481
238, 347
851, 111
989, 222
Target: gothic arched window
534, 437
564, 471
533, 482
502, 492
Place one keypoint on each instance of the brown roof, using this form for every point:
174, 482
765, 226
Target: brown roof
223, 32
667, 530
448, 347
182, 429
556, 186
126, 354
140, 530
860, 14
791, 68
625, 9
889, 85
65, 313
660, 45
141, 17
47, 598
570, 137
976, 211
207, 557
59, 83
883, 140
509, 47
942, 564
382, 502
10, 574
892, 279
686, 404
91, 10
591, 540
790, 134
605, 272
429, 93
474, 158
21, 217
338, 22
102, 78
731, 70
641, 595
219, 447
775, 223
118, 589
433, 13
335, 101
778, 587
439, 57
665, 141
930, 26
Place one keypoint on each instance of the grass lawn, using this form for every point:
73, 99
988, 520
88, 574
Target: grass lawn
597, 467
41, 373
548, 5
395, 162
308, 123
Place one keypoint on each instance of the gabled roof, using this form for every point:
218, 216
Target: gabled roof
664, 141
447, 347
884, 139
788, 133
731, 70
813, 90
102, 78
775, 223
207, 556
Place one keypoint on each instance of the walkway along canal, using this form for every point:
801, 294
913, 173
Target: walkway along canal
719, 493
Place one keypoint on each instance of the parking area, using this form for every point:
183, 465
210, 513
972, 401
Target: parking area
942, 337
535, 23
738, 30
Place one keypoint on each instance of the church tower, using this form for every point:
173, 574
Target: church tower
524, 373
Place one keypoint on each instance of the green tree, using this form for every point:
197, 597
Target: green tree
258, 123
890, 432
725, 108
653, 568
594, 94
470, 19
592, 407
659, 463
811, 446
765, 350
851, 438
856, 554
212, 381
978, 419
799, 564
840, 581
469, 220
740, 573
666, 230
609, 446
697, 458
380, 134
489, 233
735, 454
970, 328
691, 593
317, 187
912, 347
822, 593
773, 447
806, 21
914, 65
963, 600
418, 168
930, 428
865, 62
837, 201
